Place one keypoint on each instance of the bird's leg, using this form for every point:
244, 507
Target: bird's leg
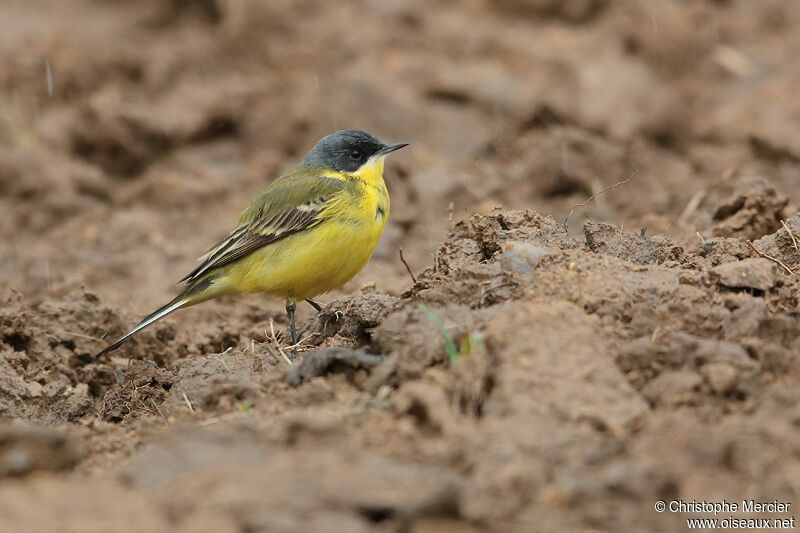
314, 304
291, 305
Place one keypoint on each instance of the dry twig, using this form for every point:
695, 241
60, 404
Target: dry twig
219, 359
654, 337
598, 193
692, 206
408, 268
765, 256
188, 403
158, 410
730, 172
791, 235
278, 344
81, 335
450, 221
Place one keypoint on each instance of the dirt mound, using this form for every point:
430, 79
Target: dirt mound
521, 386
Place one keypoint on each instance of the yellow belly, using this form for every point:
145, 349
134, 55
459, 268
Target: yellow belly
308, 263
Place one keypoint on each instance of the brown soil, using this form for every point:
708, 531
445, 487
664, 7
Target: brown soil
641, 351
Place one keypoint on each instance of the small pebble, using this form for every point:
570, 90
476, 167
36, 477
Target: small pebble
522, 257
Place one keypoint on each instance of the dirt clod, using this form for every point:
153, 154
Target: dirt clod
756, 273
635, 247
320, 362
25, 449
522, 257
750, 215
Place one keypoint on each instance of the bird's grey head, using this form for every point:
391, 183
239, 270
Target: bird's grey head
345, 151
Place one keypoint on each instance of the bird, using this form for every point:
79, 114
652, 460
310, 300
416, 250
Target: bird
309, 232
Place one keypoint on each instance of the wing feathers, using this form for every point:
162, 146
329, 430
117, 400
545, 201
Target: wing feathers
261, 231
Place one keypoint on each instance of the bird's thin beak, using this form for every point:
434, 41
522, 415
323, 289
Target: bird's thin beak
389, 148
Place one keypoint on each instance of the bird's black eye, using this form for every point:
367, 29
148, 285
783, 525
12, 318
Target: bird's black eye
355, 155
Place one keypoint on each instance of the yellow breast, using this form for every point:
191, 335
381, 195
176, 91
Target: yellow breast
327, 256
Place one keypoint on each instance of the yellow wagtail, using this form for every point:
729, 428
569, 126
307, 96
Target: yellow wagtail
309, 232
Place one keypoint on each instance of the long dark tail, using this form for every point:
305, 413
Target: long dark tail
158, 314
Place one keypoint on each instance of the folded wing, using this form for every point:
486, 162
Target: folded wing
292, 204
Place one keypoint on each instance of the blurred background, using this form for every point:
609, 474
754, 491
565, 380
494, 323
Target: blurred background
132, 134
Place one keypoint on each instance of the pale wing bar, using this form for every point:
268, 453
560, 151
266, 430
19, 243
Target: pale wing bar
258, 233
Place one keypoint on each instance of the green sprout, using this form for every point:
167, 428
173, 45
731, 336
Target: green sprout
242, 405
471, 344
